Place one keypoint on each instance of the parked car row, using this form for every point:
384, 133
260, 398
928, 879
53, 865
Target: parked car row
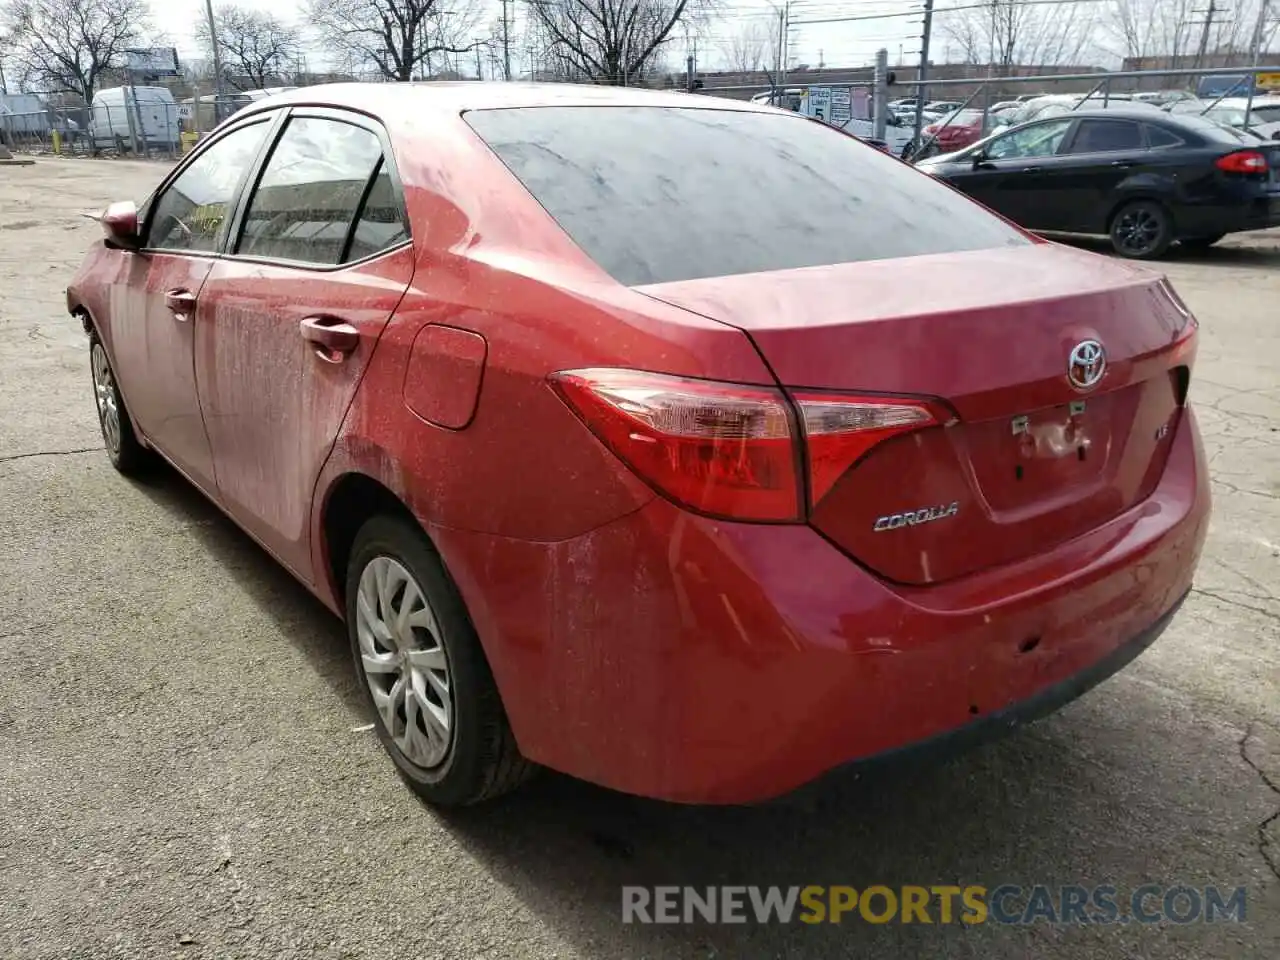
1144, 177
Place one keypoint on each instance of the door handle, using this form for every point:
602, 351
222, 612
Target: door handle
1030, 169
333, 339
181, 303
1122, 164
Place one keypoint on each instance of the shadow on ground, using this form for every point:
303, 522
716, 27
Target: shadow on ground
1258, 256
301, 618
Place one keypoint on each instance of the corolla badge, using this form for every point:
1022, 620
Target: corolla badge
912, 518
1086, 365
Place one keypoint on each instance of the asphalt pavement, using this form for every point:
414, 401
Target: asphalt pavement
186, 769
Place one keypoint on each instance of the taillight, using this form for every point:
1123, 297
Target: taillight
732, 450
839, 430
1243, 161
718, 448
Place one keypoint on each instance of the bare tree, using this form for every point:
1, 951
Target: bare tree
399, 38
1002, 34
752, 48
63, 46
608, 41
257, 47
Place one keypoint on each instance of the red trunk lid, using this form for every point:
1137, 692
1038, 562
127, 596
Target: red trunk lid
1029, 460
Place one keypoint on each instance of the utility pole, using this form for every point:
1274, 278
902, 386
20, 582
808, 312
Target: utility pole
923, 72
880, 95
784, 18
217, 62
479, 74
1204, 36
688, 74
1255, 51
506, 42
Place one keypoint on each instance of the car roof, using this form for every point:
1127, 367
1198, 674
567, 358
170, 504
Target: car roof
457, 97
1269, 100
1124, 111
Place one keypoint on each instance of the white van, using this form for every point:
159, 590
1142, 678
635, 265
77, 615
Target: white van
120, 112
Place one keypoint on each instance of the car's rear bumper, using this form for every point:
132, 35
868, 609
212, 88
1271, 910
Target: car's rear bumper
694, 660
1259, 212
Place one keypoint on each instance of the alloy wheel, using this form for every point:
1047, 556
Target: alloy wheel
405, 662
104, 391
1138, 230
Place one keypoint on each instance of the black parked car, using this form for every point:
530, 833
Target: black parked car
1145, 178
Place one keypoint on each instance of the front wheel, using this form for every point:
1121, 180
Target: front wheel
1141, 230
437, 709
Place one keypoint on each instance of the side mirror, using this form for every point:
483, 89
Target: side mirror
120, 226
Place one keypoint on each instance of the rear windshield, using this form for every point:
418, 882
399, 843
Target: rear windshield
658, 194
1211, 130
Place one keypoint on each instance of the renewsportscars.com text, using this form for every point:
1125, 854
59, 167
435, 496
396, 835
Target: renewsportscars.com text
937, 904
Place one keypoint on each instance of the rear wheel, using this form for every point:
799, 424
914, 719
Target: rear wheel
437, 709
1201, 243
127, 455
1141, 230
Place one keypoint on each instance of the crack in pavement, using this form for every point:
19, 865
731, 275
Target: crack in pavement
1235, 603
1264, 841
49, 453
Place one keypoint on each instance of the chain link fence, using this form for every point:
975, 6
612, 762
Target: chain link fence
127, 128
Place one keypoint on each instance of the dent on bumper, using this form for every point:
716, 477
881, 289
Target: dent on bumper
677, 657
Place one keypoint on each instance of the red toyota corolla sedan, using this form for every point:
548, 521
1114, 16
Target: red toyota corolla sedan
686, 446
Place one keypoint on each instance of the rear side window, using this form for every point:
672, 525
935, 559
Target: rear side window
658, 194
1106, 136
382, 222
311, 192
1160, 137
190, 213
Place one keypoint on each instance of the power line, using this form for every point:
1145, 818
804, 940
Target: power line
940, 11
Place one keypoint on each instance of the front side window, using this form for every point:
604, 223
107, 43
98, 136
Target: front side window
190, 213
659, 194
310, 192
1106, 136
1042, 140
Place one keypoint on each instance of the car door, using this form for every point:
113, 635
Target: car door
289, 318
1100, 156
152, 320
1008, 173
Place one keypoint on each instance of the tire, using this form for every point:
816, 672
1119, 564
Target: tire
459, 748
1141, 230
127, 453
1201, 243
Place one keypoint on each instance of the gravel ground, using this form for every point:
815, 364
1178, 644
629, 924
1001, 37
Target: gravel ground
184, 770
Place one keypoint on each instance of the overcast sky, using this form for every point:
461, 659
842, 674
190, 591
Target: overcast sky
844, 44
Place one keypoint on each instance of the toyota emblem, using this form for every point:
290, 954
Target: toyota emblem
1086, 365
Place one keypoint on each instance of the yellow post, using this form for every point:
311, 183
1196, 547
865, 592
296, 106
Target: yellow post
57, 142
